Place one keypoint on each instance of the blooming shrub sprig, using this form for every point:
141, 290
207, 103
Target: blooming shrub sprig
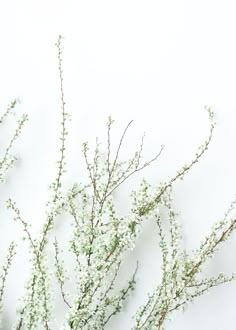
8, 159
100, 238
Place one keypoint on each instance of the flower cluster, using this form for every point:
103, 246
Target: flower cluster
8, 159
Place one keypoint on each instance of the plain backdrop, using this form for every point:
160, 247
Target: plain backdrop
156, 62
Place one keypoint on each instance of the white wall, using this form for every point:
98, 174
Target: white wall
157, 62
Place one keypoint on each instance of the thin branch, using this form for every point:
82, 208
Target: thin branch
60, 275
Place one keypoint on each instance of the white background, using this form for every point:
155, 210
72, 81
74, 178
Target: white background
157, 62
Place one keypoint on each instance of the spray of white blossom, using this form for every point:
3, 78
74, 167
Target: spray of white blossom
100, 239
